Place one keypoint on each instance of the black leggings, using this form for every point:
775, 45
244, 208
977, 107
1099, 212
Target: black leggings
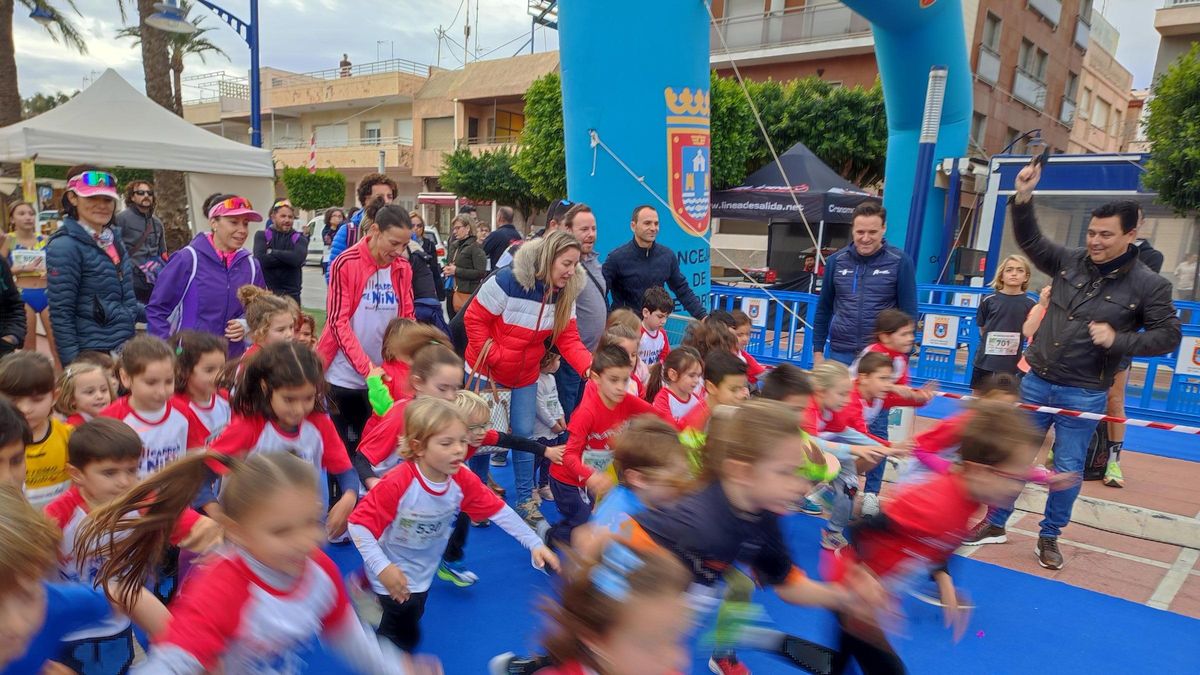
350, 412
874, 656
401, 622
456, 547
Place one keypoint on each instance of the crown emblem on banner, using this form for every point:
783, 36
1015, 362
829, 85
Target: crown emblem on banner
687, 103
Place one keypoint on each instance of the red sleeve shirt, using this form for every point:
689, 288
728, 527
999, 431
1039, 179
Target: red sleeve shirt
592, 426
165, 439
754, 369
379, 440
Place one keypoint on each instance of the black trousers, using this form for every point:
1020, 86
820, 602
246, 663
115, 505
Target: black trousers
874, 656
456, 547
350, 409
401, 622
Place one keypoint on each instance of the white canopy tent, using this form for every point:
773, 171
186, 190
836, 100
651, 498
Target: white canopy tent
112, 124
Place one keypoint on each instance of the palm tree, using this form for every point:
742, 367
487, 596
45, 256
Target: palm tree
179, 46
61, 30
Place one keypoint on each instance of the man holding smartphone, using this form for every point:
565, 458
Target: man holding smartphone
1101, 299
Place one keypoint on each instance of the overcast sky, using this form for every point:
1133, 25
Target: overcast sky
306, 35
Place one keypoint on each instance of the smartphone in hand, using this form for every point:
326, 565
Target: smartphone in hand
1040, 160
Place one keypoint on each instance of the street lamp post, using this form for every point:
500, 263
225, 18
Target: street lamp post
170, 18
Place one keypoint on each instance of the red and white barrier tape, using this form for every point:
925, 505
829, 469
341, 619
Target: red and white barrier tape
1180, 428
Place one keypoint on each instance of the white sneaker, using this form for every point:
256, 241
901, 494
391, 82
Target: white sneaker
870, 505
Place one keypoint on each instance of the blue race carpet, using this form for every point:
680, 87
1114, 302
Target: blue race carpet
1023, 623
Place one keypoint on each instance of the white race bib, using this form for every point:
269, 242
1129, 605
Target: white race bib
597, 460
419, 530
1002, 344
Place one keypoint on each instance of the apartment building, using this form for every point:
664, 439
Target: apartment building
396, 114
1026, 57
1104, 95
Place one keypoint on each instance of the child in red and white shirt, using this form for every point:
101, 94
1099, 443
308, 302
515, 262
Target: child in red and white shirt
84, 391
657, 305
741, 329
280, 408
673, 383
724, 384
402, 525
254, 606
199, 360
147, 370
602, 413
103, 457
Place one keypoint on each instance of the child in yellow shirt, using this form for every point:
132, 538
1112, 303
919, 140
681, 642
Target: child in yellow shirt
27, 379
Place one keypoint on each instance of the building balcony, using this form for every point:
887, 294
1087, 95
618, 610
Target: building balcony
1050, 9
813, 31
1083, 33
396, 80
1067, 116
357, 153
1029, 90
988, 65
1178, 17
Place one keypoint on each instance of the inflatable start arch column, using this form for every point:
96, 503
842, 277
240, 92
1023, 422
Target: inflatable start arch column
635, 72
912, 36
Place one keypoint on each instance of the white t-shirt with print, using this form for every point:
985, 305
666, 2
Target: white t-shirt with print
377, 307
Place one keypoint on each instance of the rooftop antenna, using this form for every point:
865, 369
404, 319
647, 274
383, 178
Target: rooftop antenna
467, 35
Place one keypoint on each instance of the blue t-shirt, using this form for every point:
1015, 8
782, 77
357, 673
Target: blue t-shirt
616, 507
69, 607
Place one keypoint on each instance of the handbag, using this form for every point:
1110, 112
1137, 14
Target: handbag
499, 400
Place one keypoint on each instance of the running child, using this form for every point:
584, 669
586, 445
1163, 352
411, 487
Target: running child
724, 384
270, 319
402, 525
657, 305
652, 469
673, 383
27, 379
754, 463
84, 389
829, 424
626, 338
280, 407
605, 408
550, 424
742, 326
621, 612
917, 532
35, 615
390, 382
1000, 317
895, 336
147, 370
436, 372
14, 436
306, 330
477, 415
104, 456
106, 363
199, 360
255, 604
707, 336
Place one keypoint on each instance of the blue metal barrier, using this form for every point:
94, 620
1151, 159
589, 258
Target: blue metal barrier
784, 320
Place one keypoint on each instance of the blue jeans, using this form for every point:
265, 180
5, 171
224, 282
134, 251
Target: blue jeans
522, 412
1071, 438
570, 388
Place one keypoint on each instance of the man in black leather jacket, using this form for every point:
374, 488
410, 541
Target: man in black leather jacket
1105, 305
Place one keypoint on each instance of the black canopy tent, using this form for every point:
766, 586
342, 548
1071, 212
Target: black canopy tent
825, 196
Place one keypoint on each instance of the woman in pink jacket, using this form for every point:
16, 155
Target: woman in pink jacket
369, 285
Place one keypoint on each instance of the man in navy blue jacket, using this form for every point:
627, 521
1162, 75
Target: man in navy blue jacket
862, 280
632, 268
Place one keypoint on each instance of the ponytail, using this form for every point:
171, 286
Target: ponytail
678, 360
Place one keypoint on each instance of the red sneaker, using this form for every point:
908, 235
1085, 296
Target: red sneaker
727, 665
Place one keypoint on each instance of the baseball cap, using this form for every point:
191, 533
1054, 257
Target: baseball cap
233, 207
93, 184
558, 210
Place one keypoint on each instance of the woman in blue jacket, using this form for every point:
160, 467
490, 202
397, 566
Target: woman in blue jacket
90, 279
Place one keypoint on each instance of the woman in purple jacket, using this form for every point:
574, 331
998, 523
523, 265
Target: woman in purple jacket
197, 289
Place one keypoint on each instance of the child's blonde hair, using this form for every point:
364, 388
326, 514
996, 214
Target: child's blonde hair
828, 374
64, 403
262, 306
423, 418
624, 317
28, 540
746, 433
998, 280
471, 405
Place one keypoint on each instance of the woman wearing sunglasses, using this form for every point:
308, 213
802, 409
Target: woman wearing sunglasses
90, 280
197, 290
